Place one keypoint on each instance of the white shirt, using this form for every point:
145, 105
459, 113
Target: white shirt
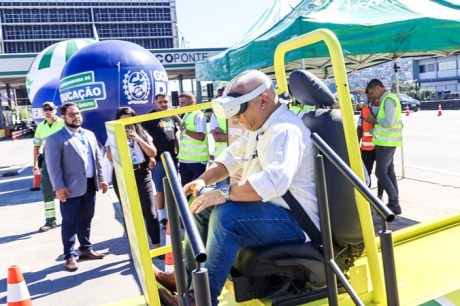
277, 157
213, 123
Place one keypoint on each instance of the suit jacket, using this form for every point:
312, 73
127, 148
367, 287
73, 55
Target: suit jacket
65, 162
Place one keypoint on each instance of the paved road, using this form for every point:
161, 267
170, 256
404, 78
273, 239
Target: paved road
430, 188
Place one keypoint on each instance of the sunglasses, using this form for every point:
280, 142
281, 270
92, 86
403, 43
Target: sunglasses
48, 109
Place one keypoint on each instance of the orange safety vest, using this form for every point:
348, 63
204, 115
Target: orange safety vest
366, 140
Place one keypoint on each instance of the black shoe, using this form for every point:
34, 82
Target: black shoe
48, 225
395, 208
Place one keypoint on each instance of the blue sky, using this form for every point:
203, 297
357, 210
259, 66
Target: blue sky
217, 23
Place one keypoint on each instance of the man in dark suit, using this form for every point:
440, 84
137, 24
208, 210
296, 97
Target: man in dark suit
74, 165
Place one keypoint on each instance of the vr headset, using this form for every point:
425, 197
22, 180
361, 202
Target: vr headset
233, 104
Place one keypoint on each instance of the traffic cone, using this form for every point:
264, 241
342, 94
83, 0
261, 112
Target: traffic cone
407, 110
17, 292
36, 182
169, 259
439, 110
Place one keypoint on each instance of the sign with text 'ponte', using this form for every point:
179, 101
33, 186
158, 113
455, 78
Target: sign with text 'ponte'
171, 58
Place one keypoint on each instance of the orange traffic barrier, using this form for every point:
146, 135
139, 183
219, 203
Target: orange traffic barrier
407, 110
169, 259
17, 292
439, 110
18, 134
36, 182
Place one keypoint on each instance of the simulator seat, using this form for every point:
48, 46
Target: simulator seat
298, 270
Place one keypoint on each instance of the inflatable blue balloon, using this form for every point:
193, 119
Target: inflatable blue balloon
107, 75
48, 92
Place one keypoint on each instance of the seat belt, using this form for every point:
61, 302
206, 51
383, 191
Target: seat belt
303, 218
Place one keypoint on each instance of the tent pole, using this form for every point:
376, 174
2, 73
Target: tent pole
396, 68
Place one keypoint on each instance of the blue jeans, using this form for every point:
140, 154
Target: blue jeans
385, 172
226, 228
158, 173
77, 214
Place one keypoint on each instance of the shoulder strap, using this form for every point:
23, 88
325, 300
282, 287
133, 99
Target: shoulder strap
303, 218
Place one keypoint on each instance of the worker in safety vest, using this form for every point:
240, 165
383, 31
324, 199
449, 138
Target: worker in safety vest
300, 109
193, 144
387, 137
364, 131
49, 126
218, 129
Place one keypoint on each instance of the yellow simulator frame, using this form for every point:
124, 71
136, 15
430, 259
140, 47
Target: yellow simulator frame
426, 255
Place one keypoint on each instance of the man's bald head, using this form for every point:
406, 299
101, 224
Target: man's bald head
250, 80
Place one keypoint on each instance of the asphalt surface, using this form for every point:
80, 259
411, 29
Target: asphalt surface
430, 188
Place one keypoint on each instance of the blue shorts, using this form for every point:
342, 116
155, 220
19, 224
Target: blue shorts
158, 173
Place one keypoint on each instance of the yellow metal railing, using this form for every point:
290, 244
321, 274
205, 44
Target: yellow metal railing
129, 198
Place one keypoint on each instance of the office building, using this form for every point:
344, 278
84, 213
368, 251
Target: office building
441, 74
31, 26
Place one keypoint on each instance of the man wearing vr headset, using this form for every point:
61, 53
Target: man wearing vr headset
276, 155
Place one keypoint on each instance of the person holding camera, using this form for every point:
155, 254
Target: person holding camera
47, 127
142, 152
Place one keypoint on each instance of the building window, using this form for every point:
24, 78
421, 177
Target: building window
450, 65
427, 68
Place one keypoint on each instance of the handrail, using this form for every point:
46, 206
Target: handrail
196, 244
385, 235
381, 209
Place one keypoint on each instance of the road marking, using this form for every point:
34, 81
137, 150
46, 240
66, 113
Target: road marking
26, 166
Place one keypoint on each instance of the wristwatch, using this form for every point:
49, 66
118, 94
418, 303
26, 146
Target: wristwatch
225, 192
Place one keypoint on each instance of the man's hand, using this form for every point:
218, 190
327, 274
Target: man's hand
36, 169
371, 119
194, 187
104, 186
152, 162
62, 194
206, 200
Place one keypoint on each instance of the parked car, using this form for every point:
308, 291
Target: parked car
453, 96
414, 104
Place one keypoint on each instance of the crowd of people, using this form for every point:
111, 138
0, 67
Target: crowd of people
251, 212
59, 140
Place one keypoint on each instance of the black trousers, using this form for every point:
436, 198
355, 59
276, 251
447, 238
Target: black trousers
190, 171
147, 199
368, 158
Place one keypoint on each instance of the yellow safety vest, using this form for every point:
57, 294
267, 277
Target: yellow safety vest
388, 136
221, 145
44, 130
191, 149
296, 109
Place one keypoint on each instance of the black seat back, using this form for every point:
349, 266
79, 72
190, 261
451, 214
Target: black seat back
327, 123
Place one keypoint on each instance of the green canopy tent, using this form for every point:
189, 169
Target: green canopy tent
370, 32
